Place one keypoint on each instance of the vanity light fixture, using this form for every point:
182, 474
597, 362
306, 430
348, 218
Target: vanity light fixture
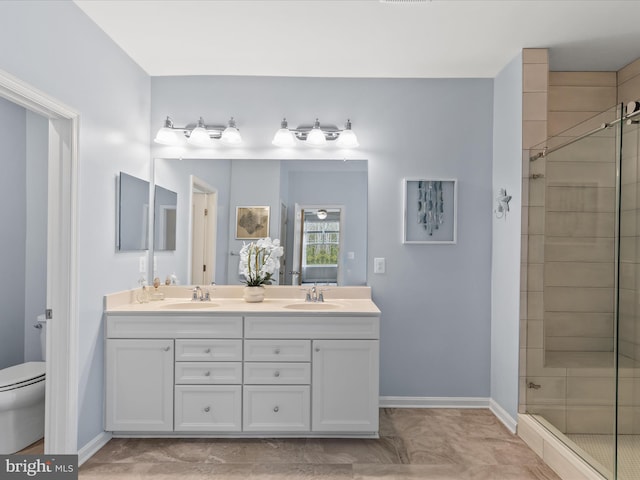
284, 137
198, 134
317, 135
321, 214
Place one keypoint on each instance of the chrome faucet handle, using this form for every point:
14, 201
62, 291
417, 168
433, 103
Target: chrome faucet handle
308, 296
207, 295
197, 293
321, 296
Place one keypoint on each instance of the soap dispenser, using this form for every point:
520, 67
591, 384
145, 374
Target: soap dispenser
156, 294
142, 296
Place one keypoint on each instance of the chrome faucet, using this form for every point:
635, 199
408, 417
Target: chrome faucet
314, 295
197, 294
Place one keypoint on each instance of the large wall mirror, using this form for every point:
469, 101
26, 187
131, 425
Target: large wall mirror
329, 249
132, 225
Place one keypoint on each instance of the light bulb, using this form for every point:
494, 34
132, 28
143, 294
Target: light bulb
347, 138
231, 135
199, 136
167, 135
316, 136
284, 137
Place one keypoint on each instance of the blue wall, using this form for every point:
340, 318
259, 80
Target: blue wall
435, 299
13, 232
56, 48
505, 280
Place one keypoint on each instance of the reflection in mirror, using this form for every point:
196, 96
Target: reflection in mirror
279, 184
164, 223
319, 243
204, 211
132, 227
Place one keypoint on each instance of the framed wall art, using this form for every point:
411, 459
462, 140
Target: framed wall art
430, 208
252, 222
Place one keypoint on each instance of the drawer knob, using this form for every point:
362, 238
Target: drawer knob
208, 350
166, 349
276, 373
277, 351
207, 409
276, 409
207, 373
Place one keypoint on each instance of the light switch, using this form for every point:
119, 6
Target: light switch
351, 255
379, 265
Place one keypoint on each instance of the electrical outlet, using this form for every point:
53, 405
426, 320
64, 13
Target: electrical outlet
143, 265
379, 265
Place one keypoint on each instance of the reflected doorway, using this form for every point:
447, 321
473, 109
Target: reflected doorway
318, 241
204, 213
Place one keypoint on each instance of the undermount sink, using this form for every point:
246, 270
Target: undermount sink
312, 306
189, 306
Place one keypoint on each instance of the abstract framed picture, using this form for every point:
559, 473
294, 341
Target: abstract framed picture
430, 210
252, 222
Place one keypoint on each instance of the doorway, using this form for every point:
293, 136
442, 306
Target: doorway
204, 213
61, 391
318, 245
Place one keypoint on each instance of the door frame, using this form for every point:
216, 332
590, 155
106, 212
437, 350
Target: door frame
61, 387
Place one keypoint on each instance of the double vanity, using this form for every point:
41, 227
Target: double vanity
280, 368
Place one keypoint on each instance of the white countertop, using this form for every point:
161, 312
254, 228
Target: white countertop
228, 299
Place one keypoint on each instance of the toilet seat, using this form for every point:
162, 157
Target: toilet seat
22, 375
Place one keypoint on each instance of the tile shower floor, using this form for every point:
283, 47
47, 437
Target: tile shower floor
442, 444
600, 448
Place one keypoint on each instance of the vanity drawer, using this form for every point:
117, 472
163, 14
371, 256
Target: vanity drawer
173, 326
312, 327
277, 350
208, 373
209, 349
277, 373
208, 408
276, 409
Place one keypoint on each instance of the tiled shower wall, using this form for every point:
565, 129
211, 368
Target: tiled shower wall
579, 216
560, 280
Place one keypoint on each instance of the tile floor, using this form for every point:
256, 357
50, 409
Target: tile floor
442, 444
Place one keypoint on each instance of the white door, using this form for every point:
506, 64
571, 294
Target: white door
204, 207
345, 386
139, 385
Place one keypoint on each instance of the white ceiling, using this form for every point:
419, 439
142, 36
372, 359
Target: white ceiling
366, 38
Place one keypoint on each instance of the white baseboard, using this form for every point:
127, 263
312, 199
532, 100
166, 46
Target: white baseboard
90, 449
434, 402
507, 420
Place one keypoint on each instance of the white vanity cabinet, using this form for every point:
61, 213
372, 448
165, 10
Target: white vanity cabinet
139, 377
345, 386
249, 374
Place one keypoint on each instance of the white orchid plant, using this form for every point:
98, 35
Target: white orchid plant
259, 261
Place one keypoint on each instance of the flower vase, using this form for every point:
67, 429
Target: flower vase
253, 294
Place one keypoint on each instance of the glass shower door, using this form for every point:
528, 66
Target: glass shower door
571, 290
628, 338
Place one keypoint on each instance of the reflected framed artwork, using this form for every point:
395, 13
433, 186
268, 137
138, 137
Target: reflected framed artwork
252, 222
430, 210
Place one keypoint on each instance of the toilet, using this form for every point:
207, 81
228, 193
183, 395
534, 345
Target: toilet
22, 404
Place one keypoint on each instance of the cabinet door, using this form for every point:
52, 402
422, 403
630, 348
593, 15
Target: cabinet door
345, 386
139, 387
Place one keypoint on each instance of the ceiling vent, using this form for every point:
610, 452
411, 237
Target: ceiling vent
405, 1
